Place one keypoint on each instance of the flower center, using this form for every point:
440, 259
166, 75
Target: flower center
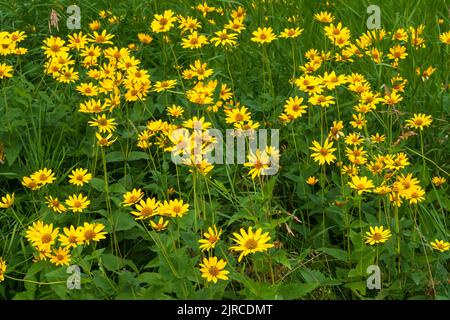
46, 238
214, 271
251, 244
89, 234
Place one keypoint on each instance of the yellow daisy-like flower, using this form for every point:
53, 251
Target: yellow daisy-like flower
92, 232
43, 177
2, 269
312, 181
175, 111
211, 238
164, 85
102, 38
237, 115
377, 235
259, 161
77, 203
361, 184
60, 257
291, 33
146, 209
323, 154
104, 141
5, 71
445, 37
160, 225
324, 17
55, 204
164, 22
173, 208
132, 197
263, 35
41, 235
30, 183
79, 177
223, 38
438, 181
419, 121
7, 201
213, 269
249, 242
194, 41
103, 124
72, 237
440, 245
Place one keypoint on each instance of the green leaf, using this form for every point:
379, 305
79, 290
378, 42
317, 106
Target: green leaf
335, 253
296, 290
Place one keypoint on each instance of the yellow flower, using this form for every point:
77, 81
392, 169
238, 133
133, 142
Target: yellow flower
188, 24
41, 235
419, 121
77, 203
224, 39
263, 35
324, 17
237, 115
55, 204
194, 41
88, 89
321, 100
445, 37
211, 238
259, 162
101, 38
359, 121
132, 197
145, 38
94, 25
7, 201
213, 269
291, 33
294, 107
323, 154
164, 22
164, 85
61, 257
249, 242
43, 177
392, 98
354, 138
30, 183
377, 138
440, 245
437, 181
175, 111
92, 232
79, 177
2, 269
71, 238
104, 141
200, 70
5, 71
312, 181
425, 74
103, 124
173, 208
361, 184
377, 235
146, 209
160, 225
